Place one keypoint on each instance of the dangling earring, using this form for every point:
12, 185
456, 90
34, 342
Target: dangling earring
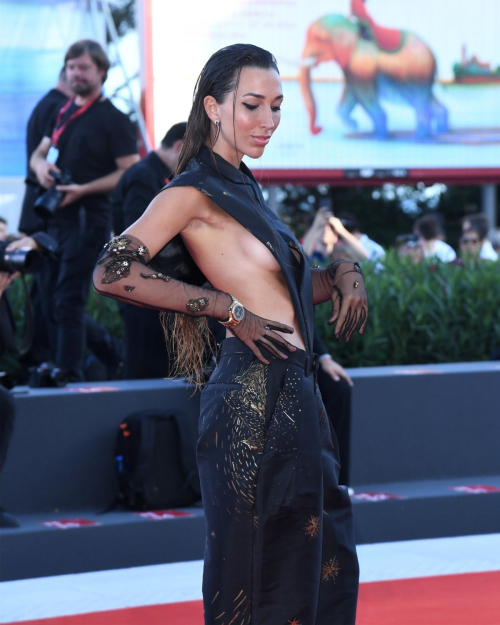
217, 131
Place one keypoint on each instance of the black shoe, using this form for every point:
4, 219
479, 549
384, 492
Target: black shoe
7, 520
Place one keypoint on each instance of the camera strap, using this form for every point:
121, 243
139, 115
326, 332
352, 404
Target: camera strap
62, 124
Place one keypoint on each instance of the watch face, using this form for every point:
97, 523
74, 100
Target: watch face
238, 312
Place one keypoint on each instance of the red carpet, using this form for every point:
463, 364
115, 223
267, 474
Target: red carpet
469, 599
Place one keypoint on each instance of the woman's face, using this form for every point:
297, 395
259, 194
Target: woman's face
256, 115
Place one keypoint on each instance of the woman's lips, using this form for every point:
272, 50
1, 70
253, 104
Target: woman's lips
261, 140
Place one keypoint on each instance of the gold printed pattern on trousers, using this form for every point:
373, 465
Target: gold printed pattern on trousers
312, 526
250, 405
330, 570
245, 436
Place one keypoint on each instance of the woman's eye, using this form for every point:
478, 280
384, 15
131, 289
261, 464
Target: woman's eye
250, 107
276, 108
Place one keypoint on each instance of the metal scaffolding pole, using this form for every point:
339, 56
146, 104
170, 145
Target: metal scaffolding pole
489, 204
115, 39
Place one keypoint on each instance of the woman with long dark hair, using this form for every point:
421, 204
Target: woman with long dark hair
280, 547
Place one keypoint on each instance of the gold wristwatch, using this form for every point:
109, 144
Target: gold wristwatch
236, 314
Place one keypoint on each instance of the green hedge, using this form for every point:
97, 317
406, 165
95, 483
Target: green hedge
428, 313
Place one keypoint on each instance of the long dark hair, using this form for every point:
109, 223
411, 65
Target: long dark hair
219, 77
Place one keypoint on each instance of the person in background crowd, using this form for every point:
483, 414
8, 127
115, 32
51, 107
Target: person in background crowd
335, 387
333, 381
321, 240
409, 246
471, 244
350, 222
7, 406
496, 243
146, 355
140, 183
3, 229
480, 224
29, 221
94, 143
429, 232
38, 241
35, 130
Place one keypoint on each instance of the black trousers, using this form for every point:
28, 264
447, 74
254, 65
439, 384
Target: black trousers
280, 543
337, 399
64, 285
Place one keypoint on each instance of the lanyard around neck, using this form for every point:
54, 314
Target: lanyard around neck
61, 127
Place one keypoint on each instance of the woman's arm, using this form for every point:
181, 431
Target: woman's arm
122, 272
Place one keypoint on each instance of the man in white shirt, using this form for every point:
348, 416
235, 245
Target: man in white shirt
428, 229
373, 251
480, 224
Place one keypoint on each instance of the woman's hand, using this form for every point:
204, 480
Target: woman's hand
253, 329
349, 301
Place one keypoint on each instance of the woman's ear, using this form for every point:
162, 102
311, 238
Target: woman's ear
212, 108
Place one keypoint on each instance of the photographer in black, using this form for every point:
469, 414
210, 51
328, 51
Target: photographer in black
16, 255
7, 407
146, 355
91, 143
41, 115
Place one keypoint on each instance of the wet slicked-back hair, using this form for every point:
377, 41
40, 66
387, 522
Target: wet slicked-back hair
219, 77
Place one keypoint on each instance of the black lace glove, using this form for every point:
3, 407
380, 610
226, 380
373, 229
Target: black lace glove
253, 329
122, 273
343, 283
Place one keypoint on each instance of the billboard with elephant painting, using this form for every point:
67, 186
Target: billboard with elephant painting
371, 87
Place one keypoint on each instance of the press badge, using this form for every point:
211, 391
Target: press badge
52, 155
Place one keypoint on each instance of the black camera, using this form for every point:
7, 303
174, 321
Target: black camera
25, 260
47, 375
47, 204
410, 240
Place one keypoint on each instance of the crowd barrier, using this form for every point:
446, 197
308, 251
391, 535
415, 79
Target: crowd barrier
424, 463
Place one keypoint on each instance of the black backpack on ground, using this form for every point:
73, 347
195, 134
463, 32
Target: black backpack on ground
155, 468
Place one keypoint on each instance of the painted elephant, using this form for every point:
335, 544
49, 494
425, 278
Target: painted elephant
377, 64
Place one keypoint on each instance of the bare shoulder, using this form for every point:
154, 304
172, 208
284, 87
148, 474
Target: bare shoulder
187, 200
170, 212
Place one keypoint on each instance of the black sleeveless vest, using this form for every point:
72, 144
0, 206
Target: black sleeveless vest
237, 192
